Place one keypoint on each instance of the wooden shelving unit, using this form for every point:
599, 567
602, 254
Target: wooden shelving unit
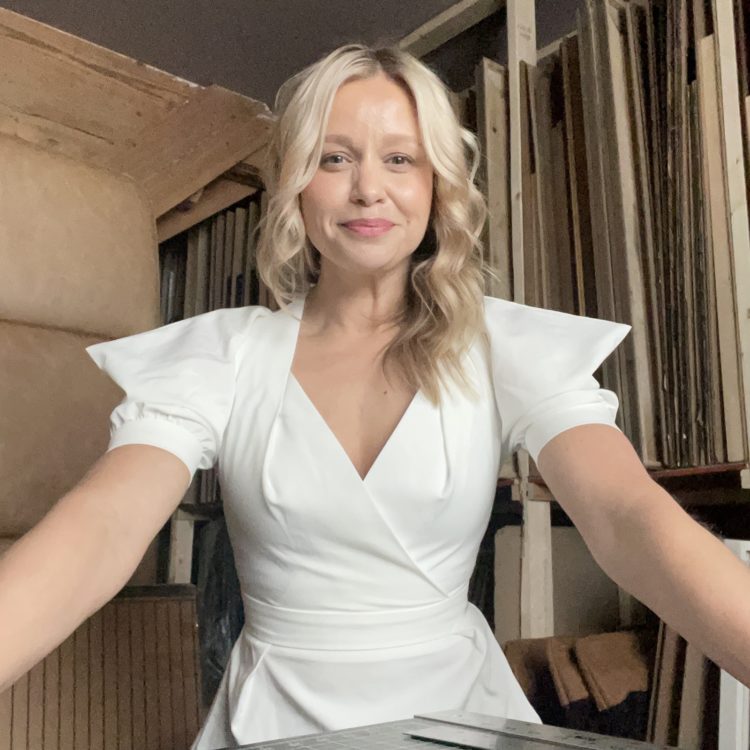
525, 146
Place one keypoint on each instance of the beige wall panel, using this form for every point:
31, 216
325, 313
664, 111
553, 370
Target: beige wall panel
69, 237
54, 419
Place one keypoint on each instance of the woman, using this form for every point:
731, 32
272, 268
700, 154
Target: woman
359, 433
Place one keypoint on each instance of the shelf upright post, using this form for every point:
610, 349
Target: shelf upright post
536, 610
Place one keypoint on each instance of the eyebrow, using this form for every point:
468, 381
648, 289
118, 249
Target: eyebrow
344, 140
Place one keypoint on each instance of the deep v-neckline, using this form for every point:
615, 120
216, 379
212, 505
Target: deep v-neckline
300, 308
329, 430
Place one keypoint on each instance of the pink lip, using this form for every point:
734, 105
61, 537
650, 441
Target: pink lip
369, 227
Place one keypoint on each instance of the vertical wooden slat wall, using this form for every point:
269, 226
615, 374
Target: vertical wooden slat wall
127, 678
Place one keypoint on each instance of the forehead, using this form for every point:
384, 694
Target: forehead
376, 103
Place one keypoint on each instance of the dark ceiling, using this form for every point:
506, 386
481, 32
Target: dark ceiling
250, 46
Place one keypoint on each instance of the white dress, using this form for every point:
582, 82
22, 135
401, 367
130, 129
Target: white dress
354, 589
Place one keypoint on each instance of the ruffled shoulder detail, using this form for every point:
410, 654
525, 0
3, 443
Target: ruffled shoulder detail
542, 365
179, 383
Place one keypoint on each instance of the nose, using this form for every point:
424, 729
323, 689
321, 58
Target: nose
367, 183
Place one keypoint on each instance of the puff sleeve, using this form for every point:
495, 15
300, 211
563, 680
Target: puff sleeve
542, 364
179, 385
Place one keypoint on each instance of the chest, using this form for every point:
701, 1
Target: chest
349, 388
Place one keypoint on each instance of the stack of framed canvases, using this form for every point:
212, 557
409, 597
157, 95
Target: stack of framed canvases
615, 172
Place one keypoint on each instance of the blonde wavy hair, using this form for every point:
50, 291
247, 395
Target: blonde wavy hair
443, 310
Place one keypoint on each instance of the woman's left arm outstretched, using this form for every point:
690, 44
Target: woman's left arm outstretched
649, 545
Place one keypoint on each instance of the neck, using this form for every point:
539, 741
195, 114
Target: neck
355, 306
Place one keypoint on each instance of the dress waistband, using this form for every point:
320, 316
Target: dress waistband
343, 631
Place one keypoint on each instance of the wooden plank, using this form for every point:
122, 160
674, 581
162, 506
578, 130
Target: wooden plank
81, 695
623, 256
460, 105
716, 416
448, 24
220, 223
667, 709
565, 283
137, 672
67, 690
109, 638
36, 706
166, 708
238, 256
75, 97
6, 717
210, 295
537, 612
250, 296
736, 192
217, 197
201, 300
177, 678
591, 83
543, 287
193, 145
151, 677
700, 376
529, 285
681, 227
655, 678
537, 617
672, 225
96, 681
265, 297
20, 713
625, 215
189, 641
228, 259
246, 173
693, 700
578, 187
521, 49
492, 124
643, 181
647, 17
180, 549
552, 210
124, 678
713, 161
191, 275
51, 719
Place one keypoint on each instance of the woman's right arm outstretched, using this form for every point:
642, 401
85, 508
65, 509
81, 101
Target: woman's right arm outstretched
83, 551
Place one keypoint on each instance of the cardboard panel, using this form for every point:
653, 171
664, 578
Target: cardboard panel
54, 419
77, 246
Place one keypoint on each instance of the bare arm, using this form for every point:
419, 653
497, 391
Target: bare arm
83, 551
649, 546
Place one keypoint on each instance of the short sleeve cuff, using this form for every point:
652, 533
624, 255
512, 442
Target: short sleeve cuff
540, 433
161, 433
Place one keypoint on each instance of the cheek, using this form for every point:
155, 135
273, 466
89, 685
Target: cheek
321, 196
416, 198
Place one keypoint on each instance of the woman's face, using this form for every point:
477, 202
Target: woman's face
367, 207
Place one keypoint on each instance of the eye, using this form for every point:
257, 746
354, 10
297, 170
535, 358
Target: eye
329, 159
403, 160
